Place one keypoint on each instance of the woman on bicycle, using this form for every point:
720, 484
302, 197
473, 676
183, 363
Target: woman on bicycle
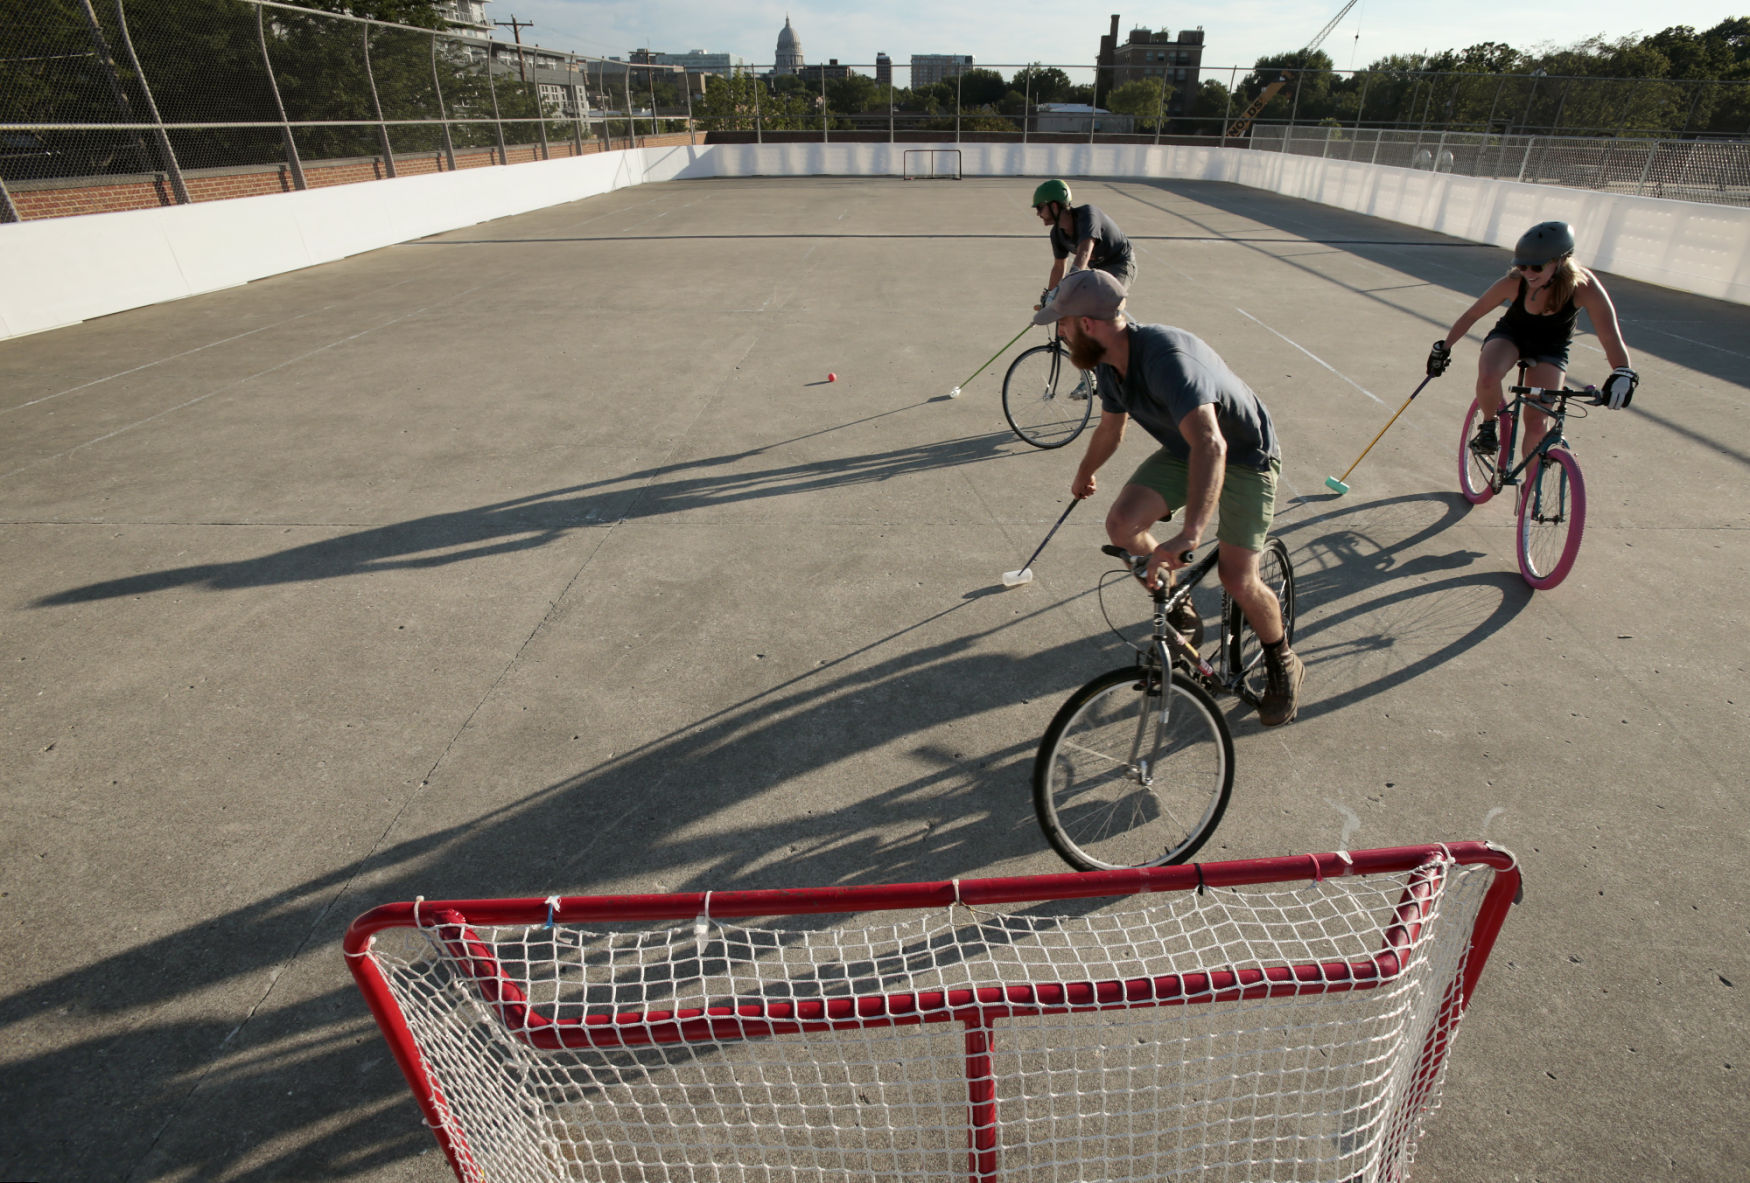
1545, 291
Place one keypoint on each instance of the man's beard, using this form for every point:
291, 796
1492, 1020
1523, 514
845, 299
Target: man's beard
1084, 352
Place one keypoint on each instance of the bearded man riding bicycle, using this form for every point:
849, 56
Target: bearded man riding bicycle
1218, 446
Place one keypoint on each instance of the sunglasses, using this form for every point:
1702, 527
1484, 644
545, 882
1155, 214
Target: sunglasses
1529, 268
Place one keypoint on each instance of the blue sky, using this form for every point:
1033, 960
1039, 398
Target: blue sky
1236, 32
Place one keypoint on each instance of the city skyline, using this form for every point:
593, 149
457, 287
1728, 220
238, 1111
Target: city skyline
1006, 36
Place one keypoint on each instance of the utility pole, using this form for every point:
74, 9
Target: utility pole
516, 28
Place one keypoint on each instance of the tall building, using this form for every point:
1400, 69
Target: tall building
927, 69
789, 59
883, 69
1177, 62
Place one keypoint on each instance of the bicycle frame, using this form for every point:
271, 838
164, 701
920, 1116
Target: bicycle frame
1166, 647
1534, 397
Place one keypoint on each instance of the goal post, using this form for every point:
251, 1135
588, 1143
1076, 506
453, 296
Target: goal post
1290, 1015
931, 164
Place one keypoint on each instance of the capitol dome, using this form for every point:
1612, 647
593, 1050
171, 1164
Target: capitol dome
789, 59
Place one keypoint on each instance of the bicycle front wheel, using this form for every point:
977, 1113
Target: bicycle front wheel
1116, 785
1477, 471
1552, 513
1044, 398
1245, 653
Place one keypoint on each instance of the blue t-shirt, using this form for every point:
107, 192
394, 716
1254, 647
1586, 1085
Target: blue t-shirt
1171, 374
1111, 248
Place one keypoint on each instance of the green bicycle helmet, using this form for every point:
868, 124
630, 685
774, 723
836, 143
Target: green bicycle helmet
1544, 242
1052, 190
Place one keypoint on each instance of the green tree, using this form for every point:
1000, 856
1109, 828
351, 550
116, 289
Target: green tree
979, 87
1043, 84
1143, 98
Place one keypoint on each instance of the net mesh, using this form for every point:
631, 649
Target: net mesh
931, 164
1271, 1033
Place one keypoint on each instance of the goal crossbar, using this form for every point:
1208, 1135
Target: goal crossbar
526, 1008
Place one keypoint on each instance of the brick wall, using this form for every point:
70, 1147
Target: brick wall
70, 198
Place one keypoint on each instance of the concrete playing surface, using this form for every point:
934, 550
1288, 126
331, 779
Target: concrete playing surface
541, 557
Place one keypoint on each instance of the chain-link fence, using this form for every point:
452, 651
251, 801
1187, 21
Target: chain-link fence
198, 99
117, 104
1688, 170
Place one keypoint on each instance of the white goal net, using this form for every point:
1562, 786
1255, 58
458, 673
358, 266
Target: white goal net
1248, 1031
931, 164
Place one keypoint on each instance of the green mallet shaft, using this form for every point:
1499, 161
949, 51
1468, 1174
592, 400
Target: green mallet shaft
994, 356
1336, 483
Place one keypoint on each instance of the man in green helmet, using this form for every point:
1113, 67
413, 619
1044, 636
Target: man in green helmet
1082, 236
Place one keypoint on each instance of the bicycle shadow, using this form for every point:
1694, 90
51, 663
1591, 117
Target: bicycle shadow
1399, 610
307, 1089
541, 519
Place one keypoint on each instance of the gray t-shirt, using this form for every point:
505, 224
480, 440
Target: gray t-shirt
1171, 374
1111, 248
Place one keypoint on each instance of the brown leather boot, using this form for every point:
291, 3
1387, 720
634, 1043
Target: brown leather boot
1281, 699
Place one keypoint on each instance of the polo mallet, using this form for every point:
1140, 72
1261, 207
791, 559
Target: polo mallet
955, 393
1025, 574
1337, 482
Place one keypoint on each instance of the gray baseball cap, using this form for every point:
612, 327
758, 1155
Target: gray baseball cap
1090, 293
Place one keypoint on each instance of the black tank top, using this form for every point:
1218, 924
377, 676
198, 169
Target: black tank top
1535, 333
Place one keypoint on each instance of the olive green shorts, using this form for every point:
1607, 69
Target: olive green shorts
1248, 498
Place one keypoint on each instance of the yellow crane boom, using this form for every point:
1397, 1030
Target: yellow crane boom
1238, 127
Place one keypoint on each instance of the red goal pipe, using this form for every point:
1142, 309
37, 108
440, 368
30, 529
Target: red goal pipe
453, 922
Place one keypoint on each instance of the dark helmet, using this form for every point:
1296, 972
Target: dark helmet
1052, 190
1544, 242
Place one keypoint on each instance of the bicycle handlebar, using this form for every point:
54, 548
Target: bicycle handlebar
1593, 395
1118, 552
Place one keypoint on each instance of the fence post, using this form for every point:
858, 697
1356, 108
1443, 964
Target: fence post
443, 115
167, 154
377, 106
650, 83
297, 166
1325, 155
631, 127
1233, 73
492, 89
1094, 103
687, 89
1378, 135
1361, 107
1647, 168
1160, 111
580, 97
1526, 159
1439, 148
758, 122
541, 120
825, 135
1026, 105
957, 83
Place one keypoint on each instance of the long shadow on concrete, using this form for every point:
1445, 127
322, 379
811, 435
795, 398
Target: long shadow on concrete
536, 520
308, 1091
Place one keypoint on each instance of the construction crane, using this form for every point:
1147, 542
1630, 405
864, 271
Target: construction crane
1238, 127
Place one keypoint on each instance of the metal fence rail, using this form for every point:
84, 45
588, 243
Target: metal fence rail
112, 104
1688, 170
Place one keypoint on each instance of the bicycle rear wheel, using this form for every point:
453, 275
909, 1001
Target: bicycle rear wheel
1245, 653
1043, 398
1477, 471
1552, 513
1115, 785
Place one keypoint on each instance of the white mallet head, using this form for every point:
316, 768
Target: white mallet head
1017, 578
955, 393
